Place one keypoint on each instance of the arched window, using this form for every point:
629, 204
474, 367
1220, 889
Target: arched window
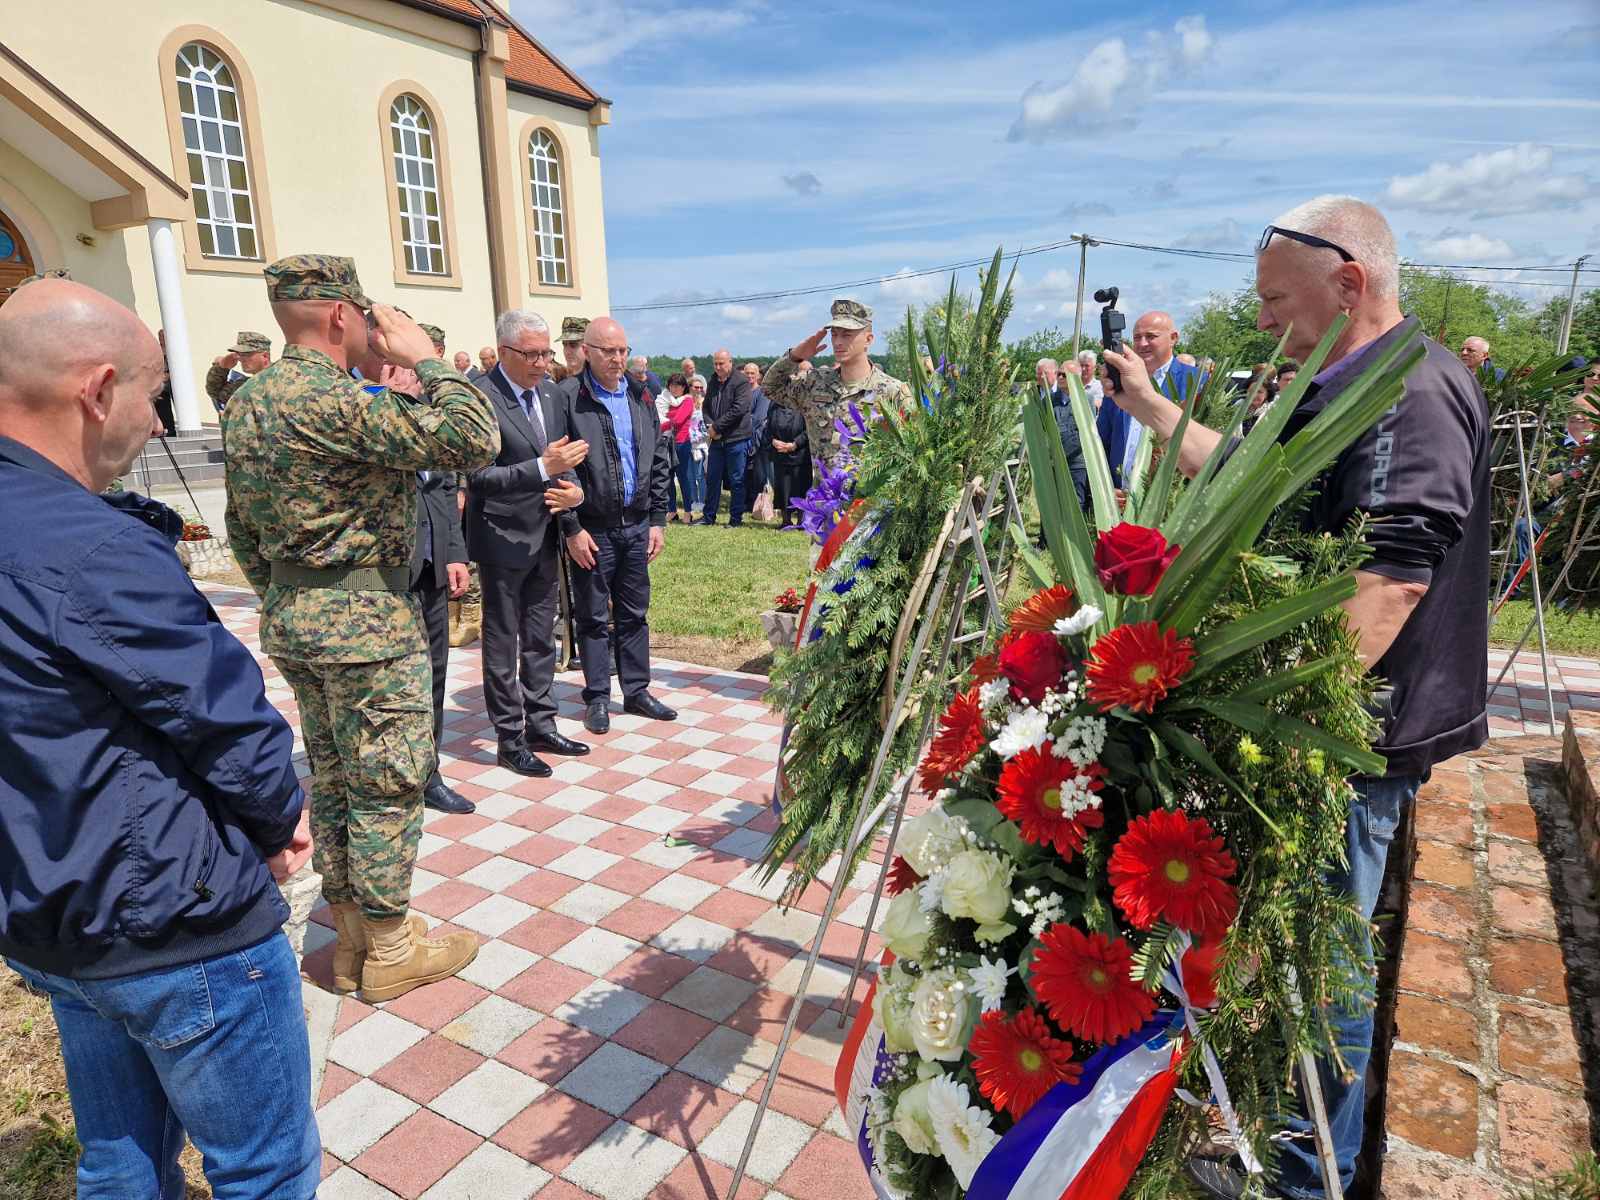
219, 165
416, 174
549, 229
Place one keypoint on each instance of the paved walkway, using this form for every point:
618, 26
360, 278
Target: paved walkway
616, 1027
1518, 706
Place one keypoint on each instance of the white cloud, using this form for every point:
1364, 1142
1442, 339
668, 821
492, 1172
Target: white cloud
1495, 183
596, 32
914, 289
1226, 234
1111, 84
1458, 245
739, 314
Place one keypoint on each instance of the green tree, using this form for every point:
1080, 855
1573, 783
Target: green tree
1224, 328
1585, 338
899, 364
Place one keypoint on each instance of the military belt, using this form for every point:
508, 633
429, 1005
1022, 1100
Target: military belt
344, 579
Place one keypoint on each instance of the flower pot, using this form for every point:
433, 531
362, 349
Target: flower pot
781, 628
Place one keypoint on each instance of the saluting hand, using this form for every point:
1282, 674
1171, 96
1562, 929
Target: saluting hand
809, 347
562, 495
398, 338
561, 455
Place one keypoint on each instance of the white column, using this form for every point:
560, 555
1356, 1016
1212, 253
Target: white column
169, 292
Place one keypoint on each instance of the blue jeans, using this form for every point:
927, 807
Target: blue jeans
216, 1049
690, 477
727, 461
1374, 816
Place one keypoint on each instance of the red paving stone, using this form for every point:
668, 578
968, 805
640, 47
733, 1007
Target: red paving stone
428, 1068
546, 985
415, 1155
682, 1109
550, 1050
664, 1032
552, 1131
435, 1006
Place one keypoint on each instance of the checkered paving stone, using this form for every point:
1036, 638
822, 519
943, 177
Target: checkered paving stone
1518, 705
615, 1031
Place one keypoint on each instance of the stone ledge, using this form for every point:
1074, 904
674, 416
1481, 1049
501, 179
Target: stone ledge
1580, 762
205, 557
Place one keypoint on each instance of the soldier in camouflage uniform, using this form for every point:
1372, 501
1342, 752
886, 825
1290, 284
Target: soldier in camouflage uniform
572, 351
322, 518
824, 394
250, 354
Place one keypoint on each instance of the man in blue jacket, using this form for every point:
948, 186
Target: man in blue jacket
1155, 338
147, 797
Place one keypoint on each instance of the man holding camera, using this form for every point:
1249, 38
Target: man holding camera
1154, 340
1418, 615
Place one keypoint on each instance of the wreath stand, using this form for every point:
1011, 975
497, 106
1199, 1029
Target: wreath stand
939, 598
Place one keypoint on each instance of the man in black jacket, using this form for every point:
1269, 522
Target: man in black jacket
1418, 615
511, 535
790, 453
728, 426
619, 528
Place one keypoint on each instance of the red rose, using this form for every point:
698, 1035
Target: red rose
1034, 663
1131, 559
1199, 969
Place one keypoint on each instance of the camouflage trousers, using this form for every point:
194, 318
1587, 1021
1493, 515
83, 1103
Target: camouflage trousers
474, 592
368, 728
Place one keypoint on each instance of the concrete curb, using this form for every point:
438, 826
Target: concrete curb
322, 1013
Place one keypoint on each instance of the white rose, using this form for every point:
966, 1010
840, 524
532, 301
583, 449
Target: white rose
892, 1006
911, 1120
928, 842
943, 1011
905, 926
977, 885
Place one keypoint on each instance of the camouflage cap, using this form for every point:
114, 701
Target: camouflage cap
849, 314
315, 277
432, 331
572, 328
250, 342
52, 273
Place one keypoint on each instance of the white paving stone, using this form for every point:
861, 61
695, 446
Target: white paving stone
590, 903
719, 784
733, 811
491, 1025
750, 883
729, 1059
487, 1097
748, 712
669, 857
794, 928
574, 799
585, 862
422, 880
353, 1121
828, 980
650, 791
692, 717
641, 765
679, 891
370, 1044
493, 915
596, 951
497, 779
603, 1007
572, 770
631, 743
711, 993
624, 1163
496, 838
780, 1141
578, 829
347, 1183
501, 805
612, 1078
711, 760
496, 874
694, 938
497, 964
824, 1039
430, 842
489, 1173
744, 843
657, 818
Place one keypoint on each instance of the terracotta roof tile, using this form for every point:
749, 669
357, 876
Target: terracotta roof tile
530, 64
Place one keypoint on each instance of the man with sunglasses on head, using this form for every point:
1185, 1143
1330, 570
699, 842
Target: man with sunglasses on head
512, 508
322, 516
824, 394
1419, 618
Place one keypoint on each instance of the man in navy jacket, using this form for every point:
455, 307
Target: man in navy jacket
147, 793
1154, 340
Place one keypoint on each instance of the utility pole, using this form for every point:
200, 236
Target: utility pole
1566, 321
1084, 242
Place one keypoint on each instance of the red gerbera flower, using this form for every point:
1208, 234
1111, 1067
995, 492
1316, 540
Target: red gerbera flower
1085, 981
1040, 611
1136, 665
902, 877
1017, 1061
1030, 794
1172, 867
960, 736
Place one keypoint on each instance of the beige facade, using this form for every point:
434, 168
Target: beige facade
96, 171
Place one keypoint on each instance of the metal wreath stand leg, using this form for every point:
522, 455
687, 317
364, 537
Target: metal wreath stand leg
1514, 422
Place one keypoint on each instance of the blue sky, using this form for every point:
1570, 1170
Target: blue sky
758, 145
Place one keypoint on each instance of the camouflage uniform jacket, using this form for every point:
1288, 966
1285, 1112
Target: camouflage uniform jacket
822, 397
321, 473
220, 384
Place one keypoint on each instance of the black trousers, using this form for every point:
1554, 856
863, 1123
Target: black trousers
790, 482
618, 586
436, 619
519, 645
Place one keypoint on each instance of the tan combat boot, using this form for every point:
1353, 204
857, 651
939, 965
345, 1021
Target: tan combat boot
398, 960
471, 623
350, 951
455, 621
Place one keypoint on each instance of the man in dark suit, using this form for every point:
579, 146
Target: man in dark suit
512, 537
619, 528
438, 575
1155, 338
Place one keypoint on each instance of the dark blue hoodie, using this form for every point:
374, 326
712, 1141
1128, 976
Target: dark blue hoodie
144, 778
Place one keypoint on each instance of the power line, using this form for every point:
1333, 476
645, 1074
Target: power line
1047, 247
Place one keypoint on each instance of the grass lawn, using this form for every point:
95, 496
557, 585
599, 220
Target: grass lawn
1576, 632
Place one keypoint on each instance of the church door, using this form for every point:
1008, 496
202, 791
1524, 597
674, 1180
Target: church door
16, 264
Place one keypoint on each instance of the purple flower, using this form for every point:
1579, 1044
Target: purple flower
828, 499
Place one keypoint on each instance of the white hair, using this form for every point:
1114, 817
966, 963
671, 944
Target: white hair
700, 379
512, 322
1358, 227
1045, 362
1086, 358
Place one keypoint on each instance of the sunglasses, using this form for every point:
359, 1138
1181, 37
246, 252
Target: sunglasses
1305, 239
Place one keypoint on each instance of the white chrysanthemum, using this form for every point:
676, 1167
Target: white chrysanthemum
989, 983
1081, 741
961, 1130
1078, 621
930, 892
1025, 729
993, 694
931, 840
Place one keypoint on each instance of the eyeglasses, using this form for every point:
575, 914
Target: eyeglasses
530, 355
1305, 239
608, 351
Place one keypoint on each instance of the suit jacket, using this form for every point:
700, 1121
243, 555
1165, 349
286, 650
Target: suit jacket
507, 522
438, 529
1113, 424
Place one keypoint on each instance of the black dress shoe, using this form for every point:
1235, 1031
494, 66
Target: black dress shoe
522, 760
554, 743
646, 705
1223, 1178
441, 797
596, 719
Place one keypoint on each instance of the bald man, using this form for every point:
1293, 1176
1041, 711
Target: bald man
1155, 338
1421, 477
148, 798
